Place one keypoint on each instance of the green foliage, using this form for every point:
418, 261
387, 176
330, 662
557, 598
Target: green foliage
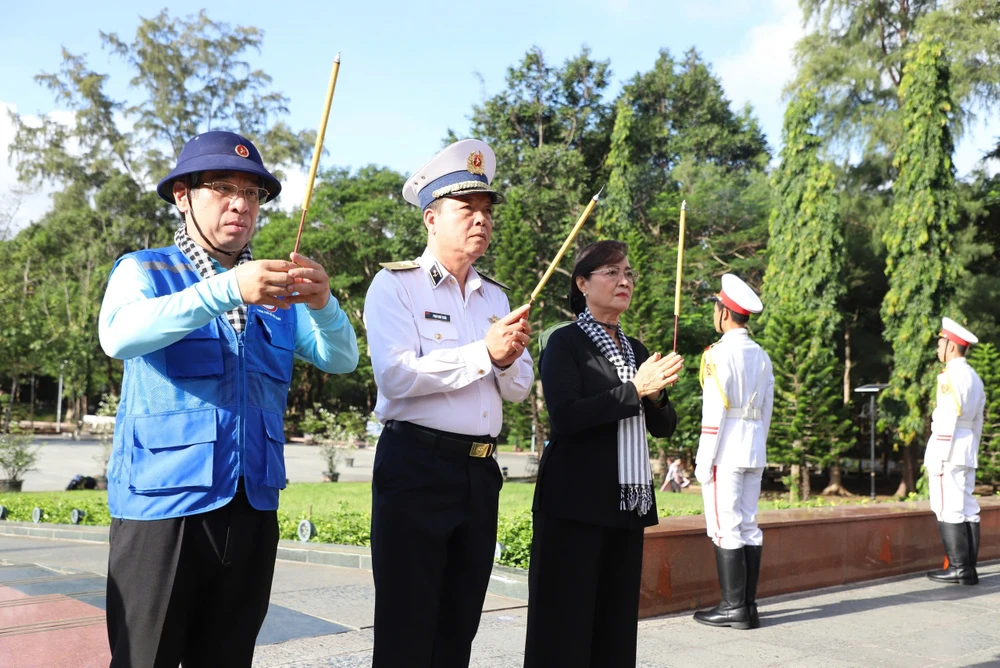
985, 359
803, 287
809, 425
514, 534
806, 242
858, 52
58, 506
17, 457
343, 526
191, 75
920, 263
337, 433
356, 221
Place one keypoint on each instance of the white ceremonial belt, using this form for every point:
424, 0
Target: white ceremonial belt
746, 413
965, 424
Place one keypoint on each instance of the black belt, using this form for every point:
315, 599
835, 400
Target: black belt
473, 446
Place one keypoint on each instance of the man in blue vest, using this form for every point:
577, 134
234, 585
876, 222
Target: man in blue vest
208, 335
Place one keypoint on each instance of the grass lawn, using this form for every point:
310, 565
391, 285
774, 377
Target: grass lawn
324, 498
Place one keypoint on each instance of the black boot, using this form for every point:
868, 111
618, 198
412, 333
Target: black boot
956, 545
754, 554
973, 548
732, 611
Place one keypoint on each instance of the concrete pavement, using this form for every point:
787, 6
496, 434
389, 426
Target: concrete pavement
59, 459
322, 615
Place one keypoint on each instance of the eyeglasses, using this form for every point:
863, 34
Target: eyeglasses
614, 273
252, 194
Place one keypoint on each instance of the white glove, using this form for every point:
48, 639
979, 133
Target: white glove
703, 473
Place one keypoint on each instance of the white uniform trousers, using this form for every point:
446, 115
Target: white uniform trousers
951, 494
731, 507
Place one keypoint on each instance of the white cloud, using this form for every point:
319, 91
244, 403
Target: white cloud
758, 72
293, 188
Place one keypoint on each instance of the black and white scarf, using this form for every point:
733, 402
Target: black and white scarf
635, 478
203, 263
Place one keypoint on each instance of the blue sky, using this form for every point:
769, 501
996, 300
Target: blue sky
411, 71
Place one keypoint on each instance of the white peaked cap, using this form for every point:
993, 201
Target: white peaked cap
739, 297
464, 167
953, 331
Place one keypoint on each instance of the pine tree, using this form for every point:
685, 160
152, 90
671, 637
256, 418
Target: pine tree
920, 263
802, 287
808, 426
985, 359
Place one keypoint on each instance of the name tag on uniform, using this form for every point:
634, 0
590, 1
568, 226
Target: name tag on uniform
443, 317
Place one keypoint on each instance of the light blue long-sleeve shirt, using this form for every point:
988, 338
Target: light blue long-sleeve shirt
133, 322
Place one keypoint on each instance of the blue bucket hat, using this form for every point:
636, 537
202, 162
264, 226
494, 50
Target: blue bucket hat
221, 152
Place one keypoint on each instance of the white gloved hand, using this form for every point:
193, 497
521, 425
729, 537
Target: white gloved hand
703, 473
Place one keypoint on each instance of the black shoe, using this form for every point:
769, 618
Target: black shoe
753, 555
733, 610
956, 539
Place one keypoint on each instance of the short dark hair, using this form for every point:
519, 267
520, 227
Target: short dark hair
738, 318
436, 205
590, 258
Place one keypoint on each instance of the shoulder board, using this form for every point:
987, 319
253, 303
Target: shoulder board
490, 279
400, 266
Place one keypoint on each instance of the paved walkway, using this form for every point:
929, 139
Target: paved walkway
59, 459
51, 601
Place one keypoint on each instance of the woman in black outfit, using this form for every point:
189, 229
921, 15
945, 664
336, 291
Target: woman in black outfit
595, 490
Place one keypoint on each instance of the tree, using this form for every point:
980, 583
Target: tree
857, 56
985, 359
805, 275
808, 425
194, 78
921, 265
549, 131
356, 221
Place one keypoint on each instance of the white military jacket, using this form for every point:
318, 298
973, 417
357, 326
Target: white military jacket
428, 353
957, 421
737, 400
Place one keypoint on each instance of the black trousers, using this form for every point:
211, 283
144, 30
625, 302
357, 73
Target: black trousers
192, 590
583, 595
434, 527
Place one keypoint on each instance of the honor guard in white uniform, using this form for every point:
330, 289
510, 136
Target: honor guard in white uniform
446, 351
952, 455
737, 397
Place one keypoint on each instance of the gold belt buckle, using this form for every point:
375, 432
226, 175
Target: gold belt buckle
480, 450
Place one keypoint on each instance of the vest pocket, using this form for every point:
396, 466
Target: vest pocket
276, 355
175, 451
197, 354
274, 475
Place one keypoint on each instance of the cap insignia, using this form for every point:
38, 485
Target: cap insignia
242, 151
474, 165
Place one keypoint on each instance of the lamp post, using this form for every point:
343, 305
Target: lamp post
872, 390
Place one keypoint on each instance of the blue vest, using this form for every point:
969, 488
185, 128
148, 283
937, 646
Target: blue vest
198, 414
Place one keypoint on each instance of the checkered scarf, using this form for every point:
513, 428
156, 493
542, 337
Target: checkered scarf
635, 477
203, 263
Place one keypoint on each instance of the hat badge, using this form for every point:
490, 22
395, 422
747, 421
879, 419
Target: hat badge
242, 151
474, 164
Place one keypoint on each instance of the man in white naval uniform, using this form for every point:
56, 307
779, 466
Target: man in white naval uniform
952, 455
446, 351
737, 398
